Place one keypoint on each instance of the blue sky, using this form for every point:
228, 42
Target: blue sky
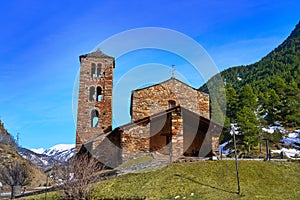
40, 42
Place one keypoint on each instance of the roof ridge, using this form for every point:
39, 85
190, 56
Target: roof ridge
96, 54
172, 78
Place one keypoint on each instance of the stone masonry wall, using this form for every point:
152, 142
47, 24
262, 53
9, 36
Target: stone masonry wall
135, 140
153, 99
84, 129
177, 134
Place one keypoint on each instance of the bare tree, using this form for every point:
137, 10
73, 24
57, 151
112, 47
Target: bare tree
77, 177
15, 174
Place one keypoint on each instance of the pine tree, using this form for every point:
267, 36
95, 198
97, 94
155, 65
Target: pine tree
272, 107
232, 104
247, 98
291, 104
248, 127
225, 135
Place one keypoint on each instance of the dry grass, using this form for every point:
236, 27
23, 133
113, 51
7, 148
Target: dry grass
205, 180
8, 154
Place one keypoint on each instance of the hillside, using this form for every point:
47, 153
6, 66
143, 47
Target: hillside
260, 97
205, 180
209, 180
283, 62
274, 80
8, 153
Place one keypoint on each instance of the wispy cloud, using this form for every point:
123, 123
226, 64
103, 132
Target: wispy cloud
243, 52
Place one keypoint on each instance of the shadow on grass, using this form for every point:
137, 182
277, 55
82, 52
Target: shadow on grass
210, 186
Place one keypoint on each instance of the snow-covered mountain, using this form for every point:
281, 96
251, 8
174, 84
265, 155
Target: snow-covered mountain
60, 152
46, 159
38, 151
40, 160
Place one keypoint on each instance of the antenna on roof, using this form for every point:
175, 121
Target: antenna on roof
173, 71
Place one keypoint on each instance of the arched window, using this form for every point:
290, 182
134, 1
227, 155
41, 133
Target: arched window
172, 103
99, 70
99, 94
94, 118
93, 71
92, 93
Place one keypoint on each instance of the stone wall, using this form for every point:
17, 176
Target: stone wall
215, 144
143, 138
88, 103
175, 132
157, 98
135, 140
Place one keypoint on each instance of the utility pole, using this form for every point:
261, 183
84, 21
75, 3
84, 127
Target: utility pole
267, 150
18, 138
236, 160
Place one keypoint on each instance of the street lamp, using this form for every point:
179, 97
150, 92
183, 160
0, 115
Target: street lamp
0, 188
236, 160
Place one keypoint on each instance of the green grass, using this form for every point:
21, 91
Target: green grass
132, 162
50, 195
205, 180
208, 180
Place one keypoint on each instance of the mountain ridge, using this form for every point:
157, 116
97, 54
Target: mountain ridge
237, 69
48, 158
279, 70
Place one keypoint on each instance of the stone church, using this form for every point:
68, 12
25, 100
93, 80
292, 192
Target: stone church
169, 120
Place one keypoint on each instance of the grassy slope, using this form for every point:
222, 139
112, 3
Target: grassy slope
209, 180
206, 180
7, 154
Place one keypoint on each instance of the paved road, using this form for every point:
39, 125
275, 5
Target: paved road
5, 194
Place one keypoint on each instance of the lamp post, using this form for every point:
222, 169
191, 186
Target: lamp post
0, 188
267, 149
236, 161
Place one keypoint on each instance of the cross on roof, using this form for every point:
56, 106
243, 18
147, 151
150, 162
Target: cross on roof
173, 71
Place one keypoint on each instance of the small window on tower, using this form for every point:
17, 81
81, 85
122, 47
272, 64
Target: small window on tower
94, 118
93, 74
92, 93
99, 94
172, 103
99, 70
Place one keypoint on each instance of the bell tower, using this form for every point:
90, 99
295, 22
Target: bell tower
95, 96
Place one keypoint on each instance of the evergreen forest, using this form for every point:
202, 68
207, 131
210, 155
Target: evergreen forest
263, 94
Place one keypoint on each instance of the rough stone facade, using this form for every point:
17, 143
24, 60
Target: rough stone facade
169, 119
95, 96
159, 135
159, 97
167, 135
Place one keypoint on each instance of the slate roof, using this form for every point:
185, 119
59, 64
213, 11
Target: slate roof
205, 121
96, 54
